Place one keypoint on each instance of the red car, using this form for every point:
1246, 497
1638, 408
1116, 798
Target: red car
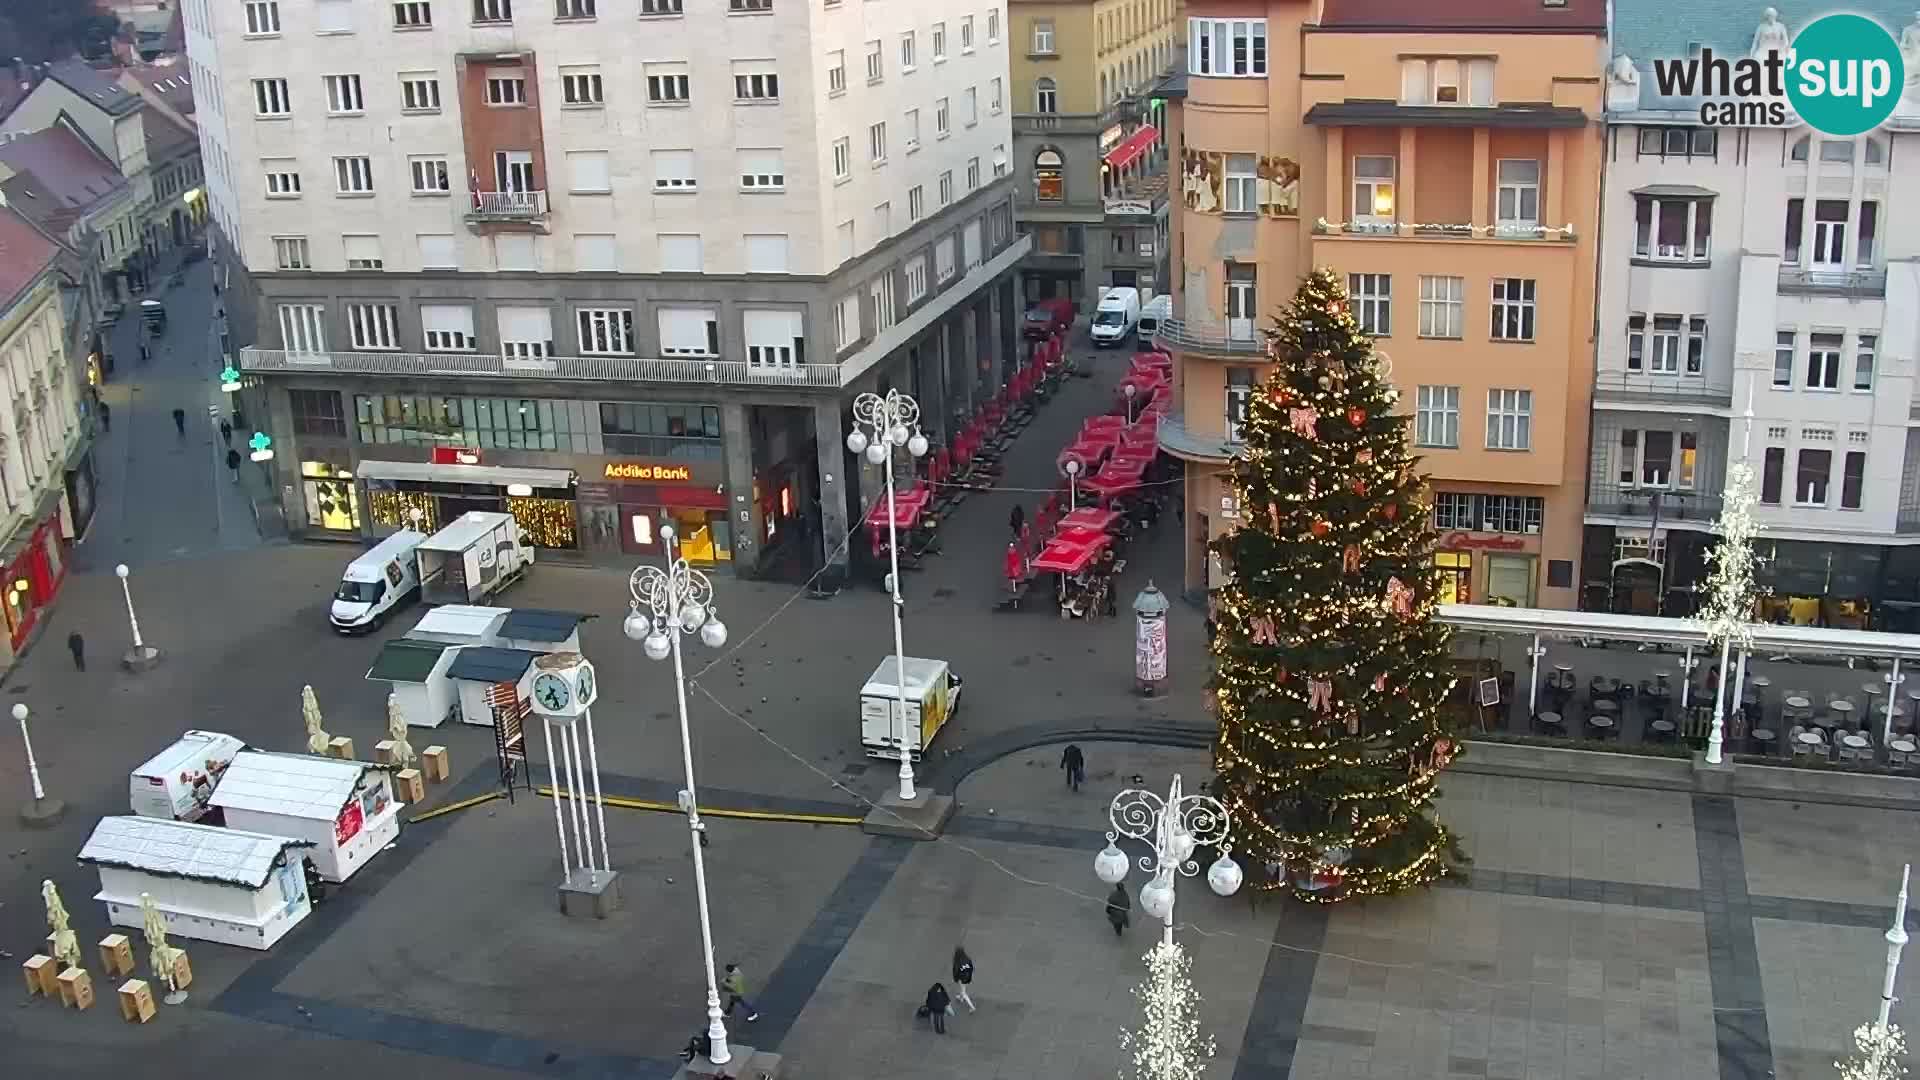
1046, 317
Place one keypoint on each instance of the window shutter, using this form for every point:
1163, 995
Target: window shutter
683, 331
437, 251
970, 238
526, 324
447, 319
1480, 82
590, 170
362, 248
1413, 82
594, 251
766, 254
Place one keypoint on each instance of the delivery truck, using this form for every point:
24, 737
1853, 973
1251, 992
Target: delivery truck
476, 556
379, 580
177, 783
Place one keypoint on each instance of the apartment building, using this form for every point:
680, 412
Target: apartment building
1088, 147
604, 262
1446, 160
1758, 302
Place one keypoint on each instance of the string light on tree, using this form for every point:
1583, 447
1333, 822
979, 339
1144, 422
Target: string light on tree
1168, 1044
1330, 666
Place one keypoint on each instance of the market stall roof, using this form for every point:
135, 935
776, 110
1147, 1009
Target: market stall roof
468, 621
541, 624
907, 506
1078, 534
291, 785
1062, 557
491, 664
406, 660
1102, 423
1112, 481
1090, 517
1131, 459
184, 850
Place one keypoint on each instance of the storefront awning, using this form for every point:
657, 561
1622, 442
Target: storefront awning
1133, 146
491, 475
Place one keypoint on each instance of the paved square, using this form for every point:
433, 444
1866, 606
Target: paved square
1573, 830
1846, 854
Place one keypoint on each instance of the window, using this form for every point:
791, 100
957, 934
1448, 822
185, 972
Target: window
881, 292
766, 253
1488, 513
419, 93
596, 253
846, 321
1240, 386
1810, 476
775, 339
970, 243
1242, 303
660, 7
1442, 306
437, 251
1000, 165
1241, 175
283, 182
270, 98
673, 171
492, 11
966, 33
906, 51
756, 86
509, 89
1227, 48
1823, 362
303, 328
943, 263
1772, 474
993, 26
1681, 142
333, 16
1372, 296
515, 251
916, 202
912, 120
1509, 419
1829, 233
1696, 344
606, 331
574, 9
344, 95
883, 220
973, 174
1869, 222
877, 143
1863, 350
762, 170
1046, 96
836, 72
876, 65
916, 278
353, 175
1043, 40
429, 175
942, 121
1666, 344
939, 42
1672, 229
1518, 199
1444, 80
412, 14
1513, 309
526, 333
689, 332
666, 84
1436, 418
970, 106
946, 188
263, 17
1373, 190
447, 328
996, 96
362, 252
581, 86
317, 412
373, 326
290, 253
844, 236
1853, 476
842, 158
588, 172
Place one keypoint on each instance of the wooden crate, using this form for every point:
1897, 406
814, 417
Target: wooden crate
136, 1001
433, 762
116, 954
42, 975
76, 988
408, 786
383, 752
341, 747
182, 971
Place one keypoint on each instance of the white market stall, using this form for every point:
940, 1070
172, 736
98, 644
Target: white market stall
461, 624
417, 673
346, 809
225, 885
541, 630
488, 678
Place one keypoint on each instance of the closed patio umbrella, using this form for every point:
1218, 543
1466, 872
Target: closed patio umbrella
317, 739
66, 944
160, 955
403, 755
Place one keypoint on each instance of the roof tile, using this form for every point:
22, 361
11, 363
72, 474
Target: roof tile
1516, 16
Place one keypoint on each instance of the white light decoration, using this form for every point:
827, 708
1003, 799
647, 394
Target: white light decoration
1878, 1054
1730, 593
1168, 1044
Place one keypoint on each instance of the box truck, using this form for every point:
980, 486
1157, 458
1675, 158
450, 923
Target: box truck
177, 783
476, 556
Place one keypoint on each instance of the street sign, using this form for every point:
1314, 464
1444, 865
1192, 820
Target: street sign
262, 445
229, 379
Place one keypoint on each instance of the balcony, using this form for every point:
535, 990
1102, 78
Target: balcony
1076, 123
1178, 439
1189, 336
1640, 388
1460, 231
1850, 284
552, 369
1907, 522
508, 207
1617, 500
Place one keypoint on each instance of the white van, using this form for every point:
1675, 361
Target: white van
1117, 315
175, 784
376, 583
1152, 314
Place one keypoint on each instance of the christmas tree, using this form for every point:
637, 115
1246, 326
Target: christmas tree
1330, 668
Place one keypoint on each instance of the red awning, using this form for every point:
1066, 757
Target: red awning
907, 506
1078, 535
1133, 146
1061, 557
1102, 422
1090, 517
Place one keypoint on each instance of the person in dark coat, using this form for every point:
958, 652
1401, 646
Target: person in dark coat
963, 975
78, 646
1119, 909
1075, 763
106, 417
1017, 520
180, 421
226, 433
233, 464
937, 1006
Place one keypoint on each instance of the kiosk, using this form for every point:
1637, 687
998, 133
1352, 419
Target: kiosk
214, 884
417, 672
344, 809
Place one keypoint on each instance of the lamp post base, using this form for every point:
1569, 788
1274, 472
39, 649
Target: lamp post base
144, 658
592, 894
922, 817
42, 813
746, 1063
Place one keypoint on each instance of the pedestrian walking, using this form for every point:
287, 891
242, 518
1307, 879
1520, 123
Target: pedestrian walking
1075, 763
1119, 909
937, 1007
233, 464
78, 646
146, 354
963, 975
180, 422
1017, 520
735, 984
106, 417
226, 433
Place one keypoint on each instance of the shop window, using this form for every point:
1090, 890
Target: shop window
331, 501
317, 412
1510, 580
1455, 572
1049, 177
486, 423
395, 509
679, 432
704, 536
549, 523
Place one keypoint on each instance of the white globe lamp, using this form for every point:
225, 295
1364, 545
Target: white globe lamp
714, 633
857, 441
1110, 865
1156, 897
1224, 876
657, 646
877, 453
917, 445
636, 626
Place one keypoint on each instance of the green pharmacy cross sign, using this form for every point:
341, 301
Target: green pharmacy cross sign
229, 379
262, 445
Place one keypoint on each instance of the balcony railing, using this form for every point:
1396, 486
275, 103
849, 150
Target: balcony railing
1446, 231
508, 206
1641, 386
1855, 284
1036, 123
1210, 337
1619, 500
569, 368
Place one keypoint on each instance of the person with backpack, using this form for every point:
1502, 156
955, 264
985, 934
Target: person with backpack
233, 464
937, 1008
735, 984
963, 975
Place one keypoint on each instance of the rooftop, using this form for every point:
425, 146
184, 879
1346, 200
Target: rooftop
1649, 29
539, 624
25, 252
490, 664
165, 138
59, 177
290, 785
179, 849
407, 660
1500, 16
98, 87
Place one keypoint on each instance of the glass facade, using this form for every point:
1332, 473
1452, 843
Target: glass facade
331, 501
680, 432
481, 422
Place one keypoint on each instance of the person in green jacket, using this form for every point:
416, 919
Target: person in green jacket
735, 984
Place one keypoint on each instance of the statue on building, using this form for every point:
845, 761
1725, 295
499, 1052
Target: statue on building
1623, 84
1772, 35
1910, 56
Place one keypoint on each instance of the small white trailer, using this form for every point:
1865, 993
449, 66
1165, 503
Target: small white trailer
475, 557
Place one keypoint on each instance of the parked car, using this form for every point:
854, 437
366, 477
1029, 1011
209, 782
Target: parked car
1047, 317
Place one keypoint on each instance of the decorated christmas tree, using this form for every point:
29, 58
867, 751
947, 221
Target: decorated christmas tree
1330, 667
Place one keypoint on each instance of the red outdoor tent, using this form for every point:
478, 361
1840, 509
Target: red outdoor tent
1063, 557
1090, 517
907, 507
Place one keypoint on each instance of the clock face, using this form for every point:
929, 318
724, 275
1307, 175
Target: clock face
551, 692
583, 681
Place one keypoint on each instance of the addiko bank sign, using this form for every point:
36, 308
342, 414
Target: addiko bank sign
646, 472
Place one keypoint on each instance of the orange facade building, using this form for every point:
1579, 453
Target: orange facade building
1446, 159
